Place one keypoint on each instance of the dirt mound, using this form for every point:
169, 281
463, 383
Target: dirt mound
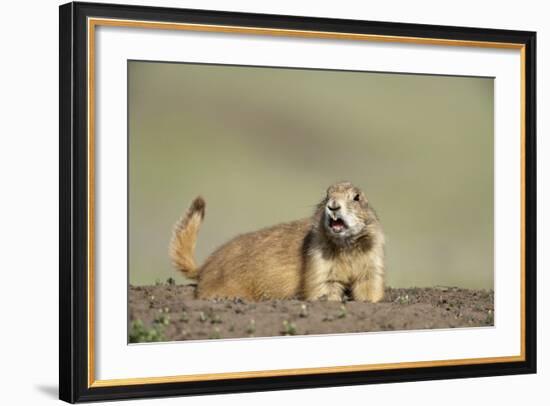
169, 312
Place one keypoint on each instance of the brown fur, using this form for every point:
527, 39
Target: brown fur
303, 258
184, 238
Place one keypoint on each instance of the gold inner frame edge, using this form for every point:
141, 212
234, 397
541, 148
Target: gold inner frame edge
91, 25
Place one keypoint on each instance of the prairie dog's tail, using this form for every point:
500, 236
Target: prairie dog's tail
184, 238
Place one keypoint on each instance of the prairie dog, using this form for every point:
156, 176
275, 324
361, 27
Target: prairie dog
338, 250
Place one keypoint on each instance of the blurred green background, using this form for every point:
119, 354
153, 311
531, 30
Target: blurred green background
263, 144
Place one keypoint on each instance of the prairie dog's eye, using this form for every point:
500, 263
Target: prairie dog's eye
357, 197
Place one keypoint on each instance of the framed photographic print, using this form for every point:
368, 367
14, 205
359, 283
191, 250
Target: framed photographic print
256, 202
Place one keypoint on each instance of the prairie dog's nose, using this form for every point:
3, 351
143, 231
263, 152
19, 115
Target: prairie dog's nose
333, 205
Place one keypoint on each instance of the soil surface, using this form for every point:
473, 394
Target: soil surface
169, 312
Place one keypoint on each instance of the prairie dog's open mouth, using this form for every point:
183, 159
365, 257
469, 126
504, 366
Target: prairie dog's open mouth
337, 225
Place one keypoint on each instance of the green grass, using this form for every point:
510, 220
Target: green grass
140, 334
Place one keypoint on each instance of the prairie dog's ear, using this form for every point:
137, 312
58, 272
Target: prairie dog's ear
357, 193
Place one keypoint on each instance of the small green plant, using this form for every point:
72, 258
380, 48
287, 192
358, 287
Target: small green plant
216, 319
490, 319
162, 319
251, 328
184, 317
140, 334
216, 334
402, 299
171, 281
289, 328
202, 317
342, 312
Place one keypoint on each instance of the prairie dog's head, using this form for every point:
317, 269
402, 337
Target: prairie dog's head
345, 212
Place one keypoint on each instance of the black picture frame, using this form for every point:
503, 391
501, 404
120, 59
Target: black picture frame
74, 199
